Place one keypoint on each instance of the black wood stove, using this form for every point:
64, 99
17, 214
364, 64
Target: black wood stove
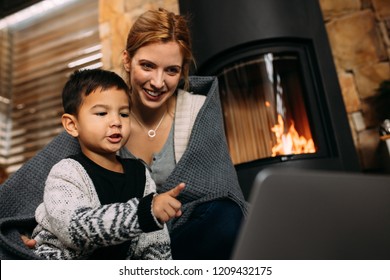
279, 90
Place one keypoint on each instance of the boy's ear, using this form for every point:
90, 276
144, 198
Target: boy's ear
126, 61
69, 122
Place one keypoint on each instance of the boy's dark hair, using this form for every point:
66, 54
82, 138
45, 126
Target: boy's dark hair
83, 82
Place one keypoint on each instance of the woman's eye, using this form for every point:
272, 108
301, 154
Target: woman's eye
173, 71
147, 66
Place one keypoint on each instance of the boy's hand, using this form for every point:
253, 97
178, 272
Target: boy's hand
30, 243
166, 206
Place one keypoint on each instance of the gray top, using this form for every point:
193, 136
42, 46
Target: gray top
163, 162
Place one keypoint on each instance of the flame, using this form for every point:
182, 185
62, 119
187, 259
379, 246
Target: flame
290, 143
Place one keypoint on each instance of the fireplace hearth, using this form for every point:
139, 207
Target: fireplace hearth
279, 90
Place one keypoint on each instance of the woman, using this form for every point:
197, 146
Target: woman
178, 135
157, 57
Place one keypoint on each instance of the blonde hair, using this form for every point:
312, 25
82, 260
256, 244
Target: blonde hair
162, 26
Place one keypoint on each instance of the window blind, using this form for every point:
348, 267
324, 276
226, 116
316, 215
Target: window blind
5, 85
44, 53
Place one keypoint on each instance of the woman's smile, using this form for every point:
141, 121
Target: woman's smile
154, 93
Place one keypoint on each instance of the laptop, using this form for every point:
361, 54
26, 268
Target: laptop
316, 215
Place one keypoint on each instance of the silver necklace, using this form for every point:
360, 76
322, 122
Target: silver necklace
151, 132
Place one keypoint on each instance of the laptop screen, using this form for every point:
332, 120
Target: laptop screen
302, 214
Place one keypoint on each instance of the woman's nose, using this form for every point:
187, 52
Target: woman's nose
158, 81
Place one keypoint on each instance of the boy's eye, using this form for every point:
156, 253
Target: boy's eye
124, 115
101, 113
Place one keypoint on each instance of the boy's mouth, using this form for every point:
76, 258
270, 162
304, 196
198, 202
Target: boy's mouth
116, 137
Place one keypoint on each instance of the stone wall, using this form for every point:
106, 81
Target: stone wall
359, 34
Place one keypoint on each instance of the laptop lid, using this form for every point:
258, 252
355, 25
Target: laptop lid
302, 214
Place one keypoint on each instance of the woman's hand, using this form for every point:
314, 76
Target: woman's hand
30, 243
166, 206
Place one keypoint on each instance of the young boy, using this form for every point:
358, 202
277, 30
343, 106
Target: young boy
97, 205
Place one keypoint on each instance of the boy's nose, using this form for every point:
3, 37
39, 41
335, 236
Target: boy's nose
116, 121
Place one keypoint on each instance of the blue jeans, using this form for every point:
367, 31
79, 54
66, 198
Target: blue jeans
210, 233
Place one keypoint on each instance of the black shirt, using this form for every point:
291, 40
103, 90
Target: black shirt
113, 187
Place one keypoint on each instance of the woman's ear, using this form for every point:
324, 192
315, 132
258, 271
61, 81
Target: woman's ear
69, 122
126, 61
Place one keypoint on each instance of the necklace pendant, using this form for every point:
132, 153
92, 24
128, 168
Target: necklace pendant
152, 133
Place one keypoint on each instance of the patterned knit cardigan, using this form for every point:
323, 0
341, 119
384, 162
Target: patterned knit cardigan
72, 223
205, 167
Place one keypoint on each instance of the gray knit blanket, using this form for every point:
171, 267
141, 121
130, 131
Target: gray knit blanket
205, 167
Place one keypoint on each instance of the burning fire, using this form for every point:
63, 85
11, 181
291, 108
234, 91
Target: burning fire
290, 143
